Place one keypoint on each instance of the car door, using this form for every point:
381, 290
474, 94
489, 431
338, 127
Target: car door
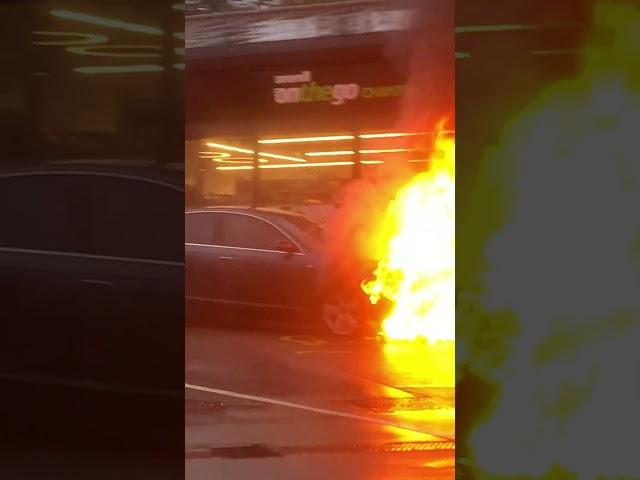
206, 265
260, 275
43, 248
136, 283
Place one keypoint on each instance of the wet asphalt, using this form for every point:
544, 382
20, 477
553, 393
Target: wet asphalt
282, 404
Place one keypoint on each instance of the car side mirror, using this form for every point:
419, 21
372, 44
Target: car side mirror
285, 246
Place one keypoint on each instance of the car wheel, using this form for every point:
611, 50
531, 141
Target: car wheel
341, 315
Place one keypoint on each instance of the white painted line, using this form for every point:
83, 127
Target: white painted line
324, 411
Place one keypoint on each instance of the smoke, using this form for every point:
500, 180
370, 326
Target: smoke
566, 266
429, 98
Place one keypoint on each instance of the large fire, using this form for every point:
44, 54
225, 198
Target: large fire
416, 272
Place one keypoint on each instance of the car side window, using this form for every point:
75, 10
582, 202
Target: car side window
135, 218
44, 212
203, 228
244, 231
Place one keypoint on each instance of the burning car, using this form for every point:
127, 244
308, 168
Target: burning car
273, 260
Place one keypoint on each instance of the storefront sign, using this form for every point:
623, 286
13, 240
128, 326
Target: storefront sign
335, 94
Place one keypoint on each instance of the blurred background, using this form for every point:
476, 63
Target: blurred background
81, 87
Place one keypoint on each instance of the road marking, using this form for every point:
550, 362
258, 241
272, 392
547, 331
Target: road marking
324, 411
304, 340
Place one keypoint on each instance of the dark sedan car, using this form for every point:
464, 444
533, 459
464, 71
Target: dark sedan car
271, 260
91, 285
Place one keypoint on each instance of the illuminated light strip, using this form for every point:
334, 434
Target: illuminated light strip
389, 135
371, 162
238, 167
307, 139
418, 160
236, 161
385, 150
289, 165
179, 35
119, 69
573, 51
228, 147
495, 28
246, 150
311, 164
281, 157
340, 137
85, 39
330, 153
178, 6
214, 154
86, 50
179, 66
239, 160
461, 55
106, 22
229, 159
179, 51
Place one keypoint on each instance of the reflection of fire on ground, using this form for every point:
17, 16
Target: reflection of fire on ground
565, 267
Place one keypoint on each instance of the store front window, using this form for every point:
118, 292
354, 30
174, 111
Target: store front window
288, 121
298, 173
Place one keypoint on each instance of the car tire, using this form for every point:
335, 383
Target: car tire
343, 314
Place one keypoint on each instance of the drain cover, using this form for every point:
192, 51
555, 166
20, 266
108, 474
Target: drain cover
390, 405
262, 451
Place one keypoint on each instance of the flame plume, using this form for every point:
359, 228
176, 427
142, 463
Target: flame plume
417, 267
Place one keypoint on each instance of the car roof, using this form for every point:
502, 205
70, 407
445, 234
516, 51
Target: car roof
264, 211
153, 173
275, 214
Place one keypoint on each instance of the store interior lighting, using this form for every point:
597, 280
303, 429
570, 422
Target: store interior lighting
118, 69
330, 153
214, 154
77, 39
384, 150
105, 22
281, 157
495, 28
299, 165
388, 135
306, 165
333, 138
327, 138
229, 148
92, 50
246, 150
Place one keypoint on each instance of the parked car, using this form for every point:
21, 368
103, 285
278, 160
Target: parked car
92, 294
269, 259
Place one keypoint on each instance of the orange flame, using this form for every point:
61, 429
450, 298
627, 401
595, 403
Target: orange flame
416, 271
